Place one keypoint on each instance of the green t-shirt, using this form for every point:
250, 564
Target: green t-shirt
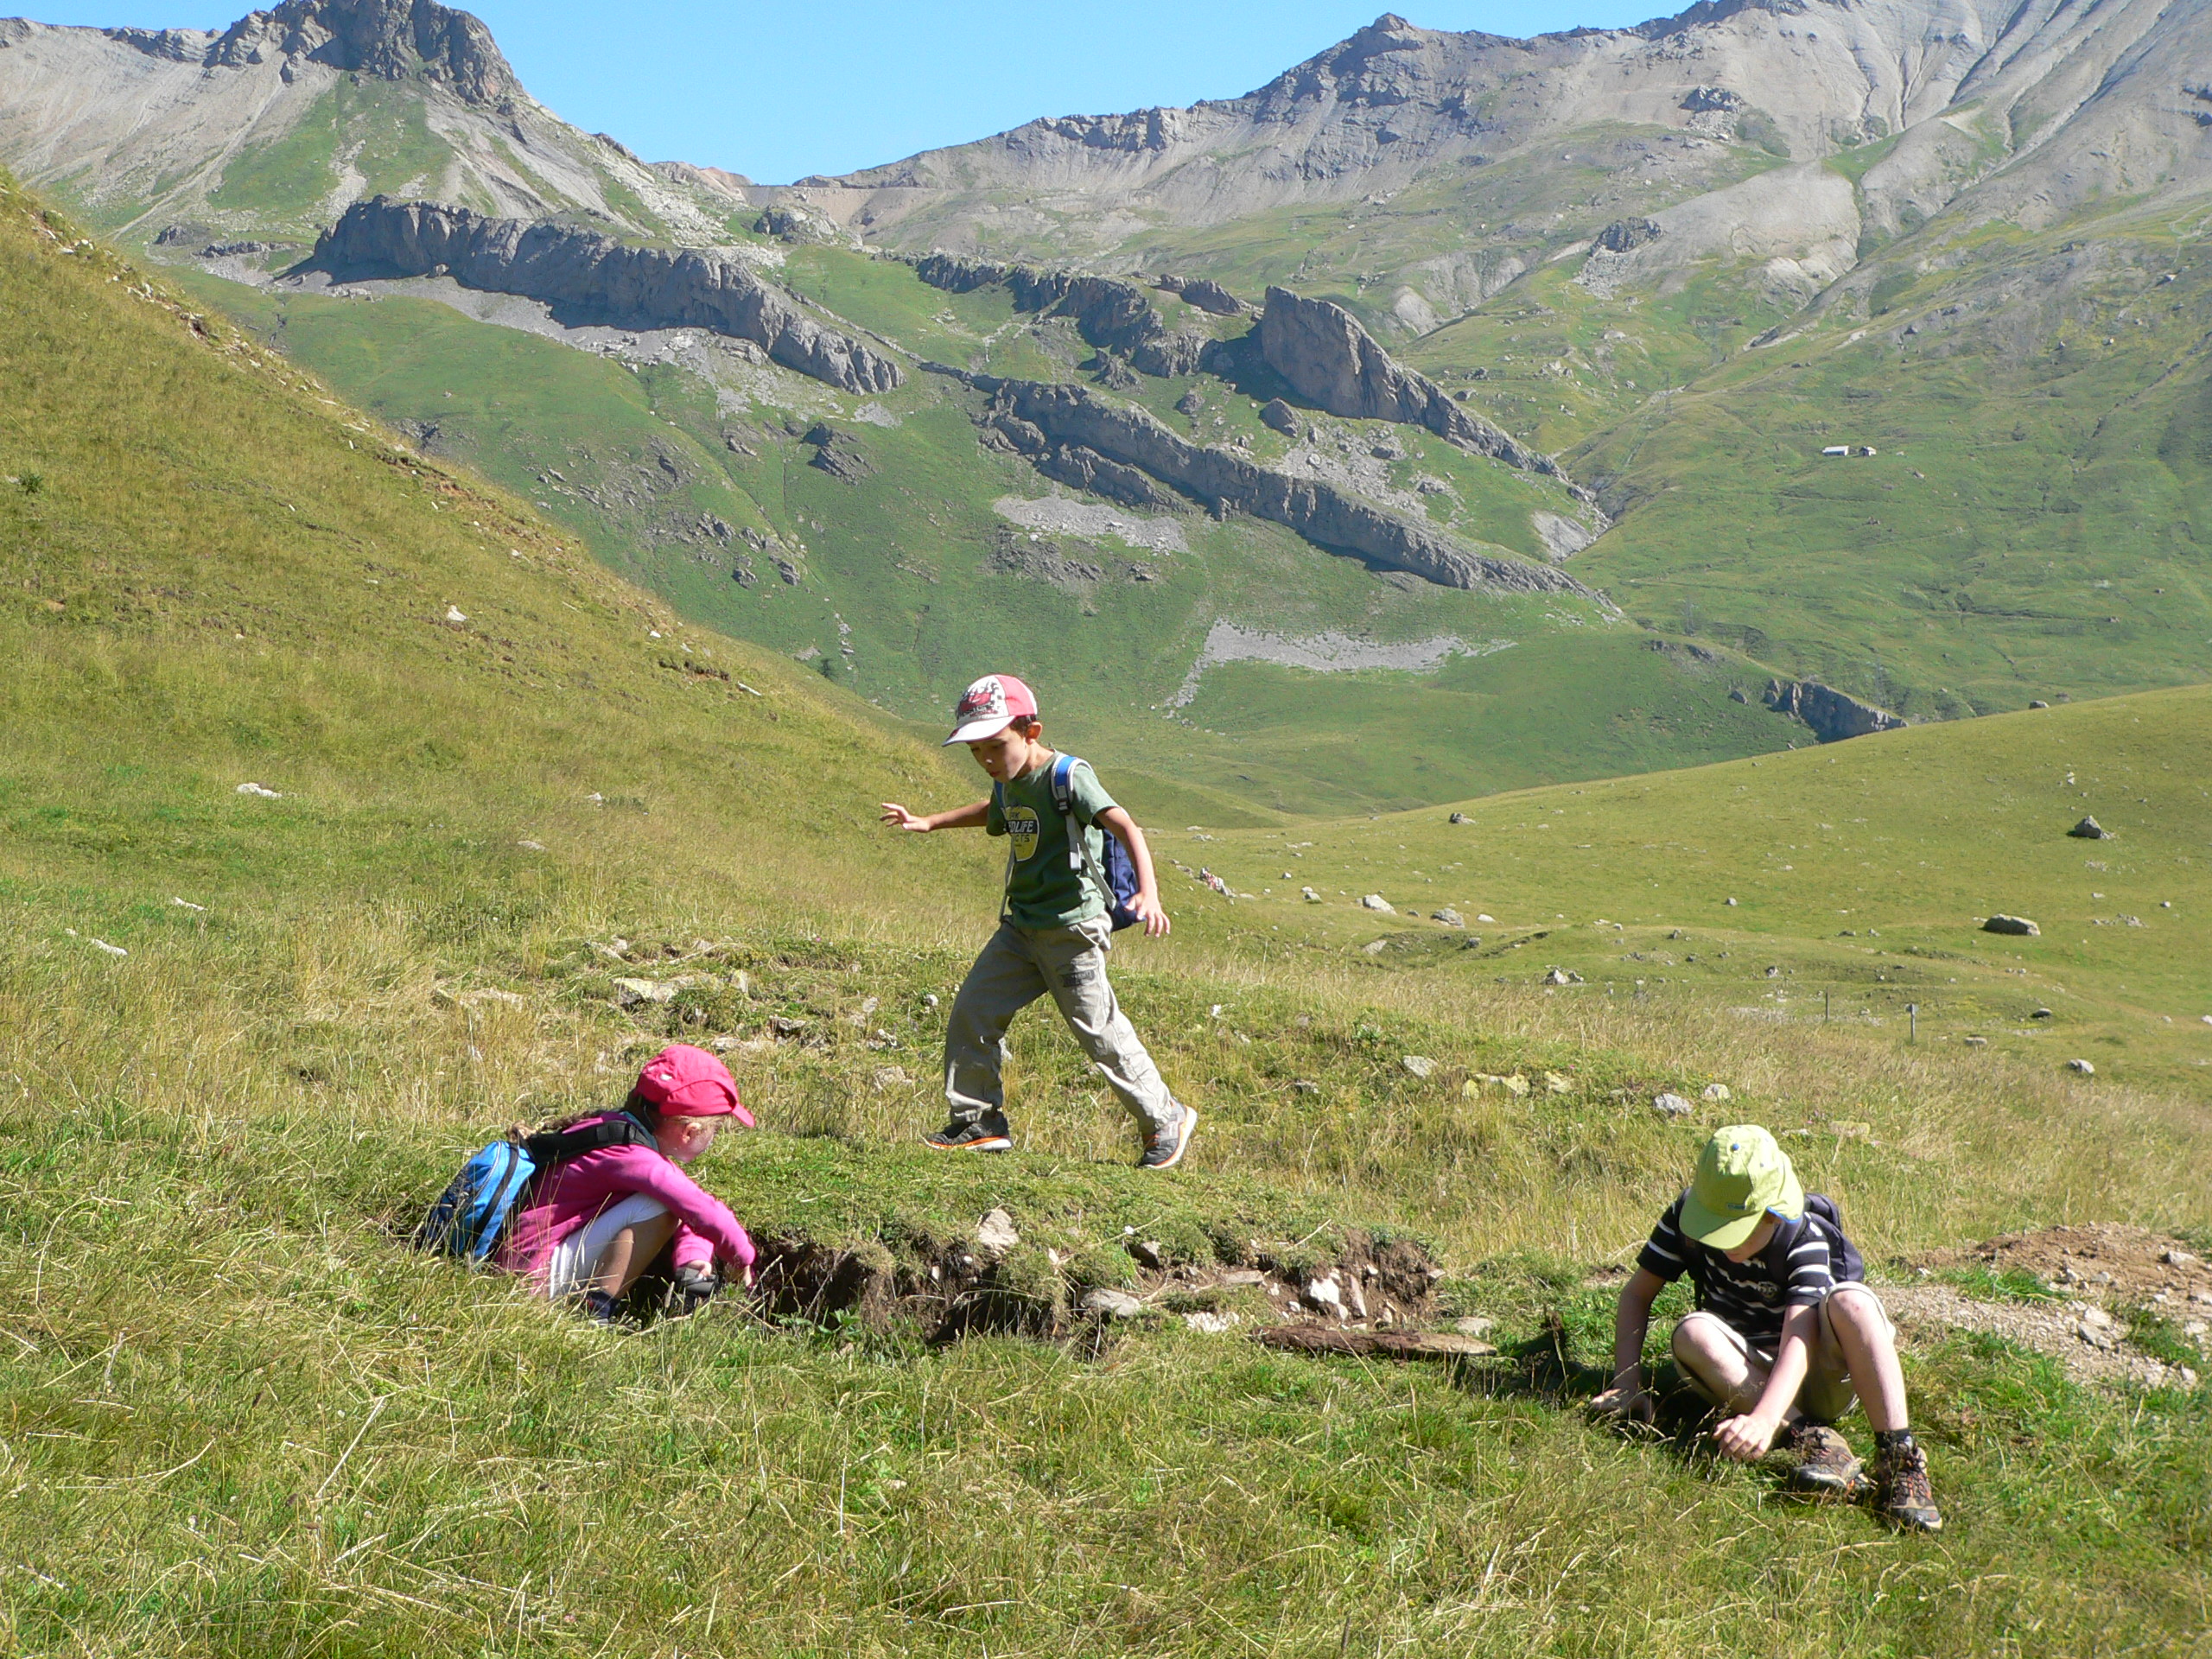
1042, 889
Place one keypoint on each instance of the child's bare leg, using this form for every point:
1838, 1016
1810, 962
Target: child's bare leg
1861, 1329
630, 1252
1714, 1361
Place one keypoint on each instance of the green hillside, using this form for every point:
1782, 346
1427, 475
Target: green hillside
240, 1417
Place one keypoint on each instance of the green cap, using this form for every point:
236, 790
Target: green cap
1741, 1175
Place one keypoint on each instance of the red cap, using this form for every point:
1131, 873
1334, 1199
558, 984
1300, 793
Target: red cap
687, 1082
988, 707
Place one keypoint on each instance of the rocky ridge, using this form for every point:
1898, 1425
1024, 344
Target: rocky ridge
1330, 360
1831, 714
1071, 435
594, 278
1110, 314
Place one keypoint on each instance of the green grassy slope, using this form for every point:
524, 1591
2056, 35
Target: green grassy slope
1861, 871
240, 1418
911, 568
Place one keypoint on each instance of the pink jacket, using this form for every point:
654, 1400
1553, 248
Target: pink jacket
573, 1193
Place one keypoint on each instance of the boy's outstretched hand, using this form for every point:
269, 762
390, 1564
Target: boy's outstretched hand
1746, 1439
1147, 908
899, 817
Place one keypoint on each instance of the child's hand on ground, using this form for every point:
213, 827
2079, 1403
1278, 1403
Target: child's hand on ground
1624, 1405
899, 817
1746, 1439
1149, 913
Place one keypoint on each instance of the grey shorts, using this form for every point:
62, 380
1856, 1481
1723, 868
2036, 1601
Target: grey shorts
1826, 1393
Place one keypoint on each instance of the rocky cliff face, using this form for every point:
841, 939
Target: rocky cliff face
1332, 362
1831, 714
392, 40
1118, 451
1111, 313
595, 278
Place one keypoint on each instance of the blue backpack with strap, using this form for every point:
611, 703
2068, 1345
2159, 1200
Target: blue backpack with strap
1117, 879
472, 1213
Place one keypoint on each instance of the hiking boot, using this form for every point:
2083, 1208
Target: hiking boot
969, 1137
1901, 1489
1164, 1149
1826, 1465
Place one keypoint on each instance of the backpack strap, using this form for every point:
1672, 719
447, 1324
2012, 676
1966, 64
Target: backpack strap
560, 1146
1080, 857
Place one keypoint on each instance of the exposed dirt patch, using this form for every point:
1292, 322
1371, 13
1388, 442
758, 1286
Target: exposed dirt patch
2101, 1273
2110, 1262
949, 1290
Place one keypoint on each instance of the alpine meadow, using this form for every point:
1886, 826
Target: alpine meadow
1639, 584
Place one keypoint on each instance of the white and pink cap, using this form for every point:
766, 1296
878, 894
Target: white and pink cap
988, 707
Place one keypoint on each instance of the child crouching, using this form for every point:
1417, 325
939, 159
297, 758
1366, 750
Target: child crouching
1787, 1333
596, 1222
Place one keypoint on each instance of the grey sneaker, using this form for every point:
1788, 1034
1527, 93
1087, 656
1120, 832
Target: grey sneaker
1164, 1150
969, 1137
1827, 1467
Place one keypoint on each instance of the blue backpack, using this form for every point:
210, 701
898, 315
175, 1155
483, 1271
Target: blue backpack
472, 1213
1117, 880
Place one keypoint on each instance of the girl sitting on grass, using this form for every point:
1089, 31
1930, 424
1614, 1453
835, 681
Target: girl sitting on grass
597, 1222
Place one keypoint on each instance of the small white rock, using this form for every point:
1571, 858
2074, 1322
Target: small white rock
112, 950
1717, 1091
1475, 1326
1112, 1305
256, 789
996, 1233
1375, 901
1212, 1325
454, 614
1419, 1065
2082, 1067
1481, 918
1671, 1105
186, 904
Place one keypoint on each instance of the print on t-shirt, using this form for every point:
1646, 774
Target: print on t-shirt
1021, 824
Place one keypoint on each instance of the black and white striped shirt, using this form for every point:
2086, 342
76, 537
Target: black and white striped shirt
1798, 1267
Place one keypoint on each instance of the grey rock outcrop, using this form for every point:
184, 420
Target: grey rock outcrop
1832, 714
388, 39
1331, 361
1110, 314
1281, 417
588, 277
2090, 830
1067, 430
2017, 926
839, 454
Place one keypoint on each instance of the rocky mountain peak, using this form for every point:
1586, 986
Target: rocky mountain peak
392, 39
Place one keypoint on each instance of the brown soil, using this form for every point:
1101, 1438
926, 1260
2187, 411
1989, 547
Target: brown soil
2111, 1263
2097, 1268
961, 1290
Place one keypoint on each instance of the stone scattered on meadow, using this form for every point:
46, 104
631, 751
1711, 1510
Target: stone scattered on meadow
995, 1234
2090, 830
1976, 1042
1147, 1253
1376, 901
1474, 1325
1112, 1305
1419, 1065
1671, 1105
1212, 1325
1310, 896
2082, 1068
1717, 1091
2019, 926
1558, 1082
1460, 818
256, 789
635, 993
1450, 917
1325, 1293
1560, 977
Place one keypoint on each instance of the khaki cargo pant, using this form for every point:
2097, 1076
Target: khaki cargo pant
1018, 966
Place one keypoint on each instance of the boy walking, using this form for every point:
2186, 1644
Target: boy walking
1787, 1333
1054, 926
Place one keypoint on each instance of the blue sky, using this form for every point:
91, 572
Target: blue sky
776, 91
